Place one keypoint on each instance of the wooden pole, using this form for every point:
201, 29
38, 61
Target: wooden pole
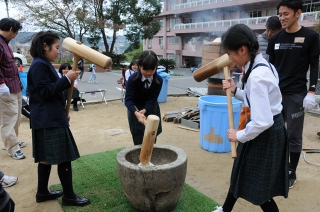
230, 112
150, 134
74, 68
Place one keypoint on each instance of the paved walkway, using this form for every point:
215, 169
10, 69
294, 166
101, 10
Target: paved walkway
177, 85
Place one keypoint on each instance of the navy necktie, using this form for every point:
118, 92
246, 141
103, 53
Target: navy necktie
146, 82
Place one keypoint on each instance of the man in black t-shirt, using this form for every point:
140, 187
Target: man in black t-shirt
292, 51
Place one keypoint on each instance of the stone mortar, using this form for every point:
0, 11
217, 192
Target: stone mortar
153, 188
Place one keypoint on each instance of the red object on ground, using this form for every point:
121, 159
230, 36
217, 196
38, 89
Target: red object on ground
20, 68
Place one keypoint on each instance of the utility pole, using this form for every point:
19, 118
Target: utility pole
6, 1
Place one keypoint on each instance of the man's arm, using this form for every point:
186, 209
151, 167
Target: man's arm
314, 67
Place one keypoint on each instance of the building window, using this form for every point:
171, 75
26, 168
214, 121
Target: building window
150, 43
172, 4
161, 23
311, 6
174, 57
272, 12
160, 40
173, 40
254, 14
173, 21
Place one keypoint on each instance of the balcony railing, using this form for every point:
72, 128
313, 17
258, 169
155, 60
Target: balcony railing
310, 16
224, 23
198, 4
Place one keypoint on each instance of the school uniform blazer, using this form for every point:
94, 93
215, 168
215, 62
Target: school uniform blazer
137, 95
47, 102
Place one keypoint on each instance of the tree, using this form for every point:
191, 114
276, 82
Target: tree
166, 63
77, 18
133, 54
118, 58
136, 17
67, 18
143, 25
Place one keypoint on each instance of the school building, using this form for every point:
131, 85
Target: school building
187, 25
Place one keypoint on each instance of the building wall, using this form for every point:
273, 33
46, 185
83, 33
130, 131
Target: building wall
198, 22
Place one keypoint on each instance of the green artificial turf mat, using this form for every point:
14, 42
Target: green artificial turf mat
95, 176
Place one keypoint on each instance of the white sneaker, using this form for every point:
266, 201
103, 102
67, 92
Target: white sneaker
21, 145
17, 155
219, 209
8, 181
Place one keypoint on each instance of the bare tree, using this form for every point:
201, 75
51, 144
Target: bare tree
76, 18
68, 18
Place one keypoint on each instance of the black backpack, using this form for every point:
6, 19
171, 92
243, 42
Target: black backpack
90, 68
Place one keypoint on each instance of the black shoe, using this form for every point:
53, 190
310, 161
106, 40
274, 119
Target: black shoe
77, 201
292, 177
75, 108
51, 196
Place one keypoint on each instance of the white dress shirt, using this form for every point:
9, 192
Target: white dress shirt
128, 74
265, 98
149, 79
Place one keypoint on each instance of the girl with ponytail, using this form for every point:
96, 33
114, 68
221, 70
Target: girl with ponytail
262, 142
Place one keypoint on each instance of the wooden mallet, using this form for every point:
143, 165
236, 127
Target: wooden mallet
80, 50
212, 68
150, 134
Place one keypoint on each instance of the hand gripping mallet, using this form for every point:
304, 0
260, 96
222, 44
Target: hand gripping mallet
211, 69
80, 50
150, 134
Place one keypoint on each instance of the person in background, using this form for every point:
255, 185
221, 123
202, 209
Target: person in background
25, 110
10, 91
143, 89
7, 181
273, 26
81, 68
52, 140
93, 77
294, 51
133, 67
63, 70
262, 142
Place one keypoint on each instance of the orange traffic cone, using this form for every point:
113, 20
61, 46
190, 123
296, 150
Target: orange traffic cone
21, 70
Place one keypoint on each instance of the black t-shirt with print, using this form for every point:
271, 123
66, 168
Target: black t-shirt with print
291, 54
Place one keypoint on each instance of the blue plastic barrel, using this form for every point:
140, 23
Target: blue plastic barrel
164, 89
23, 79
214, 122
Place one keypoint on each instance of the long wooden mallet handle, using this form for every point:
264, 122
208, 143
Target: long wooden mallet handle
150, 134
87, 53
70, 91
230, 112
82, 51
212, 68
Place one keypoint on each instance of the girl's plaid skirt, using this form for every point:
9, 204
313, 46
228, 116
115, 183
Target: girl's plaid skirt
137, 129
260, 172
54, 145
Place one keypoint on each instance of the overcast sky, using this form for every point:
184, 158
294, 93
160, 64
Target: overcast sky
3, 11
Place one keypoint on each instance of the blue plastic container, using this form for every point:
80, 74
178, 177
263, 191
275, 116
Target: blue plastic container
23, 79
164, 89
214, 122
